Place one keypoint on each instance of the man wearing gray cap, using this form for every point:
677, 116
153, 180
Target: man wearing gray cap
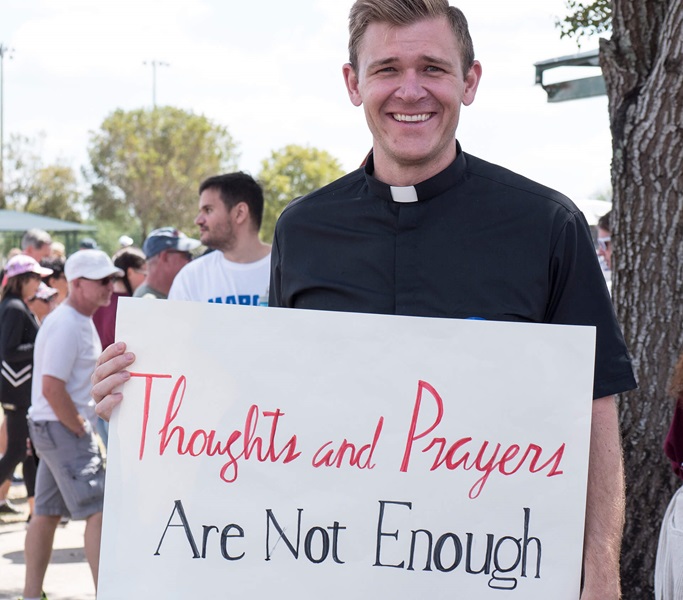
70, 480
167, 250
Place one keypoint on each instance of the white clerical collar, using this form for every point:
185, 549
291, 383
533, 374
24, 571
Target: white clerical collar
404, 194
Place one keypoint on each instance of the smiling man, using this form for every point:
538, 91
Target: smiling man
425, 229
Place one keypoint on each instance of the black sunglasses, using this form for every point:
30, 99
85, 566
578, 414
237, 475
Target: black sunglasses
104, 280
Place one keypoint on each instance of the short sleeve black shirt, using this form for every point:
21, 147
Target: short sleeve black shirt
479, 242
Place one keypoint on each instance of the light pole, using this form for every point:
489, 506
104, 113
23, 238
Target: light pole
155, 64
3, 50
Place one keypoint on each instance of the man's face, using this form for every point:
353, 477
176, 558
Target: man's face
411, 84
176, 260
39, 253
93, 293
215, 225
605, 246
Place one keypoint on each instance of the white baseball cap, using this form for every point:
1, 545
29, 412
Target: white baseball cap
90, 264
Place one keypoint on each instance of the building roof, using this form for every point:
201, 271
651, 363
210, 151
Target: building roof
585, 87
16, 221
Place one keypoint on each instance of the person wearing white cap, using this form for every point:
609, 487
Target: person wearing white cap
70, 479
44, 301
18, 330
167, 250
125, 241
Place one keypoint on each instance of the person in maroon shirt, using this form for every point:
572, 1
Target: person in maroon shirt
132, 262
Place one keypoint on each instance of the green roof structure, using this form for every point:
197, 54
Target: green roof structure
14, 223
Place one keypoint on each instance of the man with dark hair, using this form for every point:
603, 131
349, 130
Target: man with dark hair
230, 213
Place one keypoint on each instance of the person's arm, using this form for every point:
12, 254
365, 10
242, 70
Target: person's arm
604, 505
109, 374
63, 406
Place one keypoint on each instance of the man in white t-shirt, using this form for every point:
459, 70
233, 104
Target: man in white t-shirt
70, 479
238, 270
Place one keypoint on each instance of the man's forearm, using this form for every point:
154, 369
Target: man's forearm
63, 406
604, 505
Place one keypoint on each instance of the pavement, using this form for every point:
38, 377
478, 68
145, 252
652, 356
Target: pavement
68, 576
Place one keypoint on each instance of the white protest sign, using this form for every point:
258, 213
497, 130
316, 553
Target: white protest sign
270, 453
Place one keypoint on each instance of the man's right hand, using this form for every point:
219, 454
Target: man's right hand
110, 373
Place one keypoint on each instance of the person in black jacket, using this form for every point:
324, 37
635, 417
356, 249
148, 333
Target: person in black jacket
18, 329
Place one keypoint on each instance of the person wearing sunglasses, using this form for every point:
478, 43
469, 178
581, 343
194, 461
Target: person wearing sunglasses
605, 240
62, 420
604, 249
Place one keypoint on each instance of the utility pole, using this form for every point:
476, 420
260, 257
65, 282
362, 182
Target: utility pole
3, 50
154, 64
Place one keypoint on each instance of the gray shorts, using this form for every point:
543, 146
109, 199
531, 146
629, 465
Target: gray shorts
70, 479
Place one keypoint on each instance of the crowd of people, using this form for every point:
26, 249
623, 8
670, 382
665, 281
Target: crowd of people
58, 313
422, 228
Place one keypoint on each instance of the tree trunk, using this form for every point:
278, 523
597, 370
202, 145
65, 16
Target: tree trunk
643, 69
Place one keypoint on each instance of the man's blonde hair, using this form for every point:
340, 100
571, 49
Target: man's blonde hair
406, 12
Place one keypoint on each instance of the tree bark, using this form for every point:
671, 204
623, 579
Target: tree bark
643, 69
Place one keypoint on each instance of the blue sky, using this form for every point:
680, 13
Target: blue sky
271, 72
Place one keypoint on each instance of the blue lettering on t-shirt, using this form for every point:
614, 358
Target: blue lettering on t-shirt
242, 299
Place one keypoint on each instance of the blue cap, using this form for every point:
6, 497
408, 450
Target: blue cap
168, 238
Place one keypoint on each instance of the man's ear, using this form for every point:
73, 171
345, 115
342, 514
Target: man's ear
240, 212
351, 81
472, 80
